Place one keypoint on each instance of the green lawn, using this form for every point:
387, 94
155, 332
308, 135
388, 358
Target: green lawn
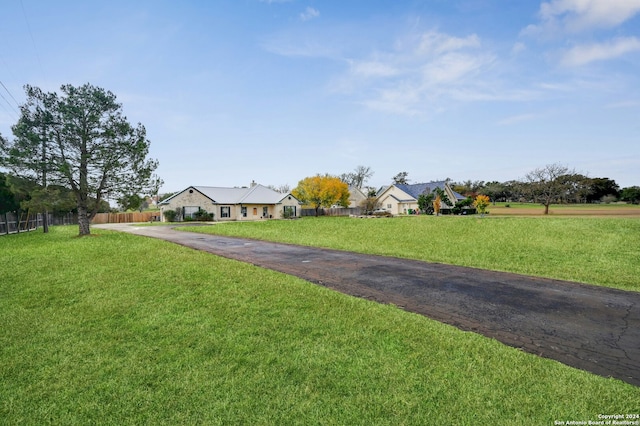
629, 210
595, 250
121, 329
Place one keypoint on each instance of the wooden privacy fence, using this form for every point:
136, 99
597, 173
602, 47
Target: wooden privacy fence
126, 217
332, 212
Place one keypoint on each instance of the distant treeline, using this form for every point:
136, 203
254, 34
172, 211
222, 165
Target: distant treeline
577, 188
21, 196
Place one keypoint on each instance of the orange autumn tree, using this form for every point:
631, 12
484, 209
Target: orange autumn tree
322, 191
437, 205
481, 203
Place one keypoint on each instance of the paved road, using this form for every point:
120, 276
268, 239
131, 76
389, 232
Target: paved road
587, 327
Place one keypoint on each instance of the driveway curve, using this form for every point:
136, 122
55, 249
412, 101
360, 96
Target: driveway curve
592, 328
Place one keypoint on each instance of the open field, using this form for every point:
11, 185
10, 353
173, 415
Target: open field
528, 209
596, 250
119, 329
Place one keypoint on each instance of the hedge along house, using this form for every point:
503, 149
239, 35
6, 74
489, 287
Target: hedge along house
226, 204
403, 198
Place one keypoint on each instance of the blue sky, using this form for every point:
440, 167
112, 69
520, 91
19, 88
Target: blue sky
276, 90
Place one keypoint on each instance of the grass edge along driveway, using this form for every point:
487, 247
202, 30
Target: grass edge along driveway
592, 250
124, 329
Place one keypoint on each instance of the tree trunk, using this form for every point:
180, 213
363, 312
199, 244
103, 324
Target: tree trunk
45, 222
546, 208
83, 221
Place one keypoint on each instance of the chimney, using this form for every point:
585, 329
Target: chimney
253, 183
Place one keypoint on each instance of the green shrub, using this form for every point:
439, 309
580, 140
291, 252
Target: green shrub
170, 215
203, 216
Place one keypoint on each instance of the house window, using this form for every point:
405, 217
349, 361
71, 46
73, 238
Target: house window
289, 211
265, 211
225, 211
189, 212
243, 211
388, 206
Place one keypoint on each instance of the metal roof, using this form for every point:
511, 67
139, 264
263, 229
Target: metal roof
417, 189
257, 194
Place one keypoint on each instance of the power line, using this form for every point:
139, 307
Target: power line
13, 109
33, 40
10, 111
12, 75
10, 94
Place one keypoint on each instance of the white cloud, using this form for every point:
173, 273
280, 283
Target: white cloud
403, 99
452, 67
373, 68
584, 54
434, 42
518, 47
309, 13
556, 87
574, 16
422, 73
516, 119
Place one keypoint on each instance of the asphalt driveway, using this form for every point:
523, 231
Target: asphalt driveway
592, 328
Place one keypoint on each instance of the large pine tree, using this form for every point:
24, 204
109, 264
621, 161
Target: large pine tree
80, 139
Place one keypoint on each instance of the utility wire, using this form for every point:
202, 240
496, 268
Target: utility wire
33, 40
10, 94
13, 77
11, 111
7, 101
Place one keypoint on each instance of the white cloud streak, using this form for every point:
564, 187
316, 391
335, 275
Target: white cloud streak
585, 54
576, 16
516, 119
309, 14
452, 67
437, 43
373, 69
419, 76
581, 15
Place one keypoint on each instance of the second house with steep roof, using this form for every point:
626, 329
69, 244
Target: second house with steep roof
403, 198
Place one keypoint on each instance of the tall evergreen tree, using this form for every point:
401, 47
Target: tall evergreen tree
80, 139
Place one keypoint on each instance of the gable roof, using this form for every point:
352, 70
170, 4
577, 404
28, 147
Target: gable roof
257, 194
417, 189
355, 191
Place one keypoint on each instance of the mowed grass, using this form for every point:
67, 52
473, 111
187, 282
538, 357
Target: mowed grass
596, 250
121, 329
602, 210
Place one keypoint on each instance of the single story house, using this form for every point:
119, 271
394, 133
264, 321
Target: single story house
400, 198
227, 204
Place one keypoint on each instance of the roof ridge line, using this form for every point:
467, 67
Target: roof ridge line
249, 192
